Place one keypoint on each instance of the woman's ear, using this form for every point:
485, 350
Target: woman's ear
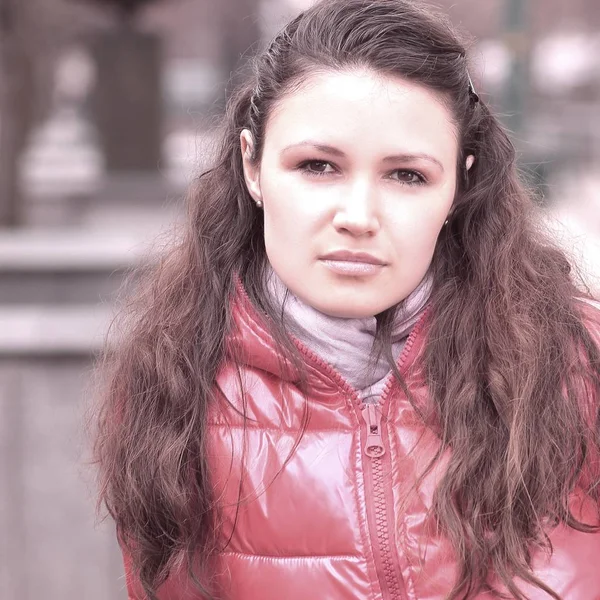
251, 169
470, 161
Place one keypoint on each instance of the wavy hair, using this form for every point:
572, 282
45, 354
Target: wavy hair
507, 351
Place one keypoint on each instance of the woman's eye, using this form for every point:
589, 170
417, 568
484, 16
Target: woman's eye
315, 167
410, 177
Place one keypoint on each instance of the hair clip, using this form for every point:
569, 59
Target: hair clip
472, 93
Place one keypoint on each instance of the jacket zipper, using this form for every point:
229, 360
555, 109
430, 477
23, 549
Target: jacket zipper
374, 449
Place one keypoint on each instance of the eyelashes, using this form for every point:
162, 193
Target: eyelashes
411, 177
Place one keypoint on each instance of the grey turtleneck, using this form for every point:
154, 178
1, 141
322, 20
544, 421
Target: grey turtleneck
346, 343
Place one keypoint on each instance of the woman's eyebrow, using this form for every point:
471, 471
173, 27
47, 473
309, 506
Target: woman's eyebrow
405, 157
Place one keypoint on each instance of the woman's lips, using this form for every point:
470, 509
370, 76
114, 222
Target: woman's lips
352, 267
352, 262
353, 256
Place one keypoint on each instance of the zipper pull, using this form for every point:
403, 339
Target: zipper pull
374, 446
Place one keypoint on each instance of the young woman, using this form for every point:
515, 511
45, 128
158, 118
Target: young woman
364, 372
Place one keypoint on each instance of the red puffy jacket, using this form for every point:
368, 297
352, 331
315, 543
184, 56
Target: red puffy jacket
339, 520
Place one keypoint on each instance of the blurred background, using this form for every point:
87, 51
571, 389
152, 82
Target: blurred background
107, 110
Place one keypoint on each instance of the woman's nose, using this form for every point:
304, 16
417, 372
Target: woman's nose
357, 211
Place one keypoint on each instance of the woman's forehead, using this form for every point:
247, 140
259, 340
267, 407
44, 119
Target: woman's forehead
343, 108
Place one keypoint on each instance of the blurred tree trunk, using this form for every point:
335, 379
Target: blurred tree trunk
17, 105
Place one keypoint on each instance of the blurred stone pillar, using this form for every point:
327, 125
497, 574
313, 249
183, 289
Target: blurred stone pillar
17, 104
127, 103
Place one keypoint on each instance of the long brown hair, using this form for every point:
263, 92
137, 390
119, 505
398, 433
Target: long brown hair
507, 349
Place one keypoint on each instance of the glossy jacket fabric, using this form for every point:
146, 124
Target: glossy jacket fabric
334, 514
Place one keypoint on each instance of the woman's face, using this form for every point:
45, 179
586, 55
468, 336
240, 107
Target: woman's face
357, 177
